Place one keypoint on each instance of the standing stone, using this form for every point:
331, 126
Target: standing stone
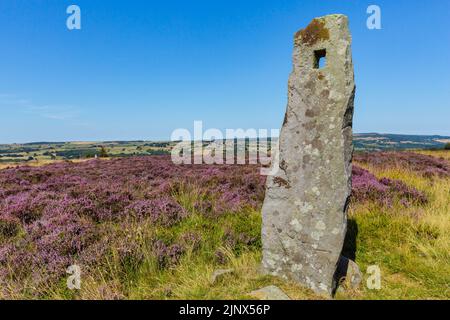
304, 211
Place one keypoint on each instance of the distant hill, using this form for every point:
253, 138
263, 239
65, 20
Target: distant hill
45, 151
378, 141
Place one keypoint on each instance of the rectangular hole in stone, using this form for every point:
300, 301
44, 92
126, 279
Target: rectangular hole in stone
320, 58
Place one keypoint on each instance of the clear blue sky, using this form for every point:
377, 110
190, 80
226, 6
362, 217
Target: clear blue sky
140, 69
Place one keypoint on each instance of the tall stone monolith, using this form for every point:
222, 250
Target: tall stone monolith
304, 211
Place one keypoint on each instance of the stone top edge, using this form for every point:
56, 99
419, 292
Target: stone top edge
333, 15
318, 30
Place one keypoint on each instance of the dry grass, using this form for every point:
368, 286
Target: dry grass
39, 163
410, 245
444, 154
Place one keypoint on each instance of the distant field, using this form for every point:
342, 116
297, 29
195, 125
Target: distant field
39, 153
380, 142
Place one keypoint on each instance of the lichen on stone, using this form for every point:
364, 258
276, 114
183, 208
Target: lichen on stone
281, 182
314, 32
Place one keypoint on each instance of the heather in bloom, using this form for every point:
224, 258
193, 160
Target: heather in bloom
366, 187
9, 226
86, 213
167, 255
67, 213
165, 210
425, 165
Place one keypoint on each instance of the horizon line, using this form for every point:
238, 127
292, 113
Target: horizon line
168, 140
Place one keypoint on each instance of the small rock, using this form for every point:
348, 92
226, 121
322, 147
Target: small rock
219, 274
348, 273
269, 293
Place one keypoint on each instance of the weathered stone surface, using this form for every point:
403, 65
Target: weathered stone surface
218, 274
348, 274
269, 293
304, 212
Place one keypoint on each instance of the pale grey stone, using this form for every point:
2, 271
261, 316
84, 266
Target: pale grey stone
269, 293
348, 274
304, 211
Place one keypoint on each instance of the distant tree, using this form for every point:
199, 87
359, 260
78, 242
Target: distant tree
103, 152
447, 146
